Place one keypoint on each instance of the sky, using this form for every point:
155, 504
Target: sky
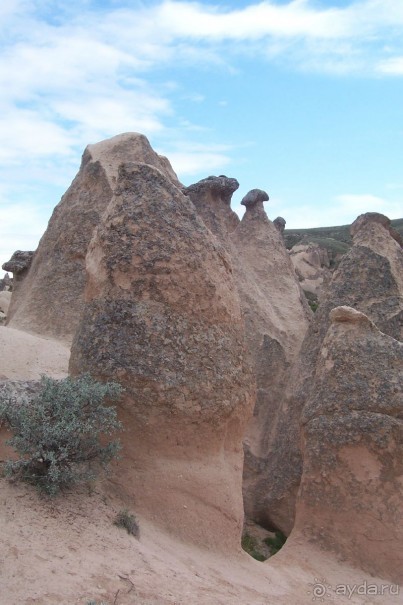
301, 98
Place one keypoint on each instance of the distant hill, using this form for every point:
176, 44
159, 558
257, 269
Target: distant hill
336, 239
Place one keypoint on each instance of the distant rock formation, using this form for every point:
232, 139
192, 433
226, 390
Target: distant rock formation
5, 298
162, 317
6, 283
369, 279
350, 501
49, 297
280, 223
312, 266
212, 200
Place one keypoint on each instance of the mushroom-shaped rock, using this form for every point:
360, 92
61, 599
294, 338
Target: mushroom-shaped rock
276, 319
19, 263
220, 187
351, 497
255, 197
279, 223
212, 200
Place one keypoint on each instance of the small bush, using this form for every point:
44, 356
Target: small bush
276, 543
56, 433
128, 522
249, 545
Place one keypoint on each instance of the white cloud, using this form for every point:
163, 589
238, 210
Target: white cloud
341, 210
392, 66
70, 75
198, 160
22, 226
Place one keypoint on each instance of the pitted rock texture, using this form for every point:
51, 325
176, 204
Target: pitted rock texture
50, 298
312, 266
255, 197
368, 279
212, 200
19, 263
276, 319
162, 317
350, 501
280, 223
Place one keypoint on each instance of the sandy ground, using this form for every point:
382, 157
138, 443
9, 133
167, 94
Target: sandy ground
25, 356
67, 551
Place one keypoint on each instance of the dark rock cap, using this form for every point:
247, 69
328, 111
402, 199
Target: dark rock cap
19, 262
220, 187
254, 197
279, 223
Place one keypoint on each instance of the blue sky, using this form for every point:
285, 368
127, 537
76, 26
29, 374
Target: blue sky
302, 98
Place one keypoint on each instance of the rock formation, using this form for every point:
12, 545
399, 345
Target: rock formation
369, 279
280, 223
276, 319
6, 283
312, 266
350, 501
162, 317
49, 298
5, 298
212, 200
275, 311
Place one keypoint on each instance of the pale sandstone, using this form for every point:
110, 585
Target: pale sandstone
162, 317
48, 298
5, 298
350, 501
370, 279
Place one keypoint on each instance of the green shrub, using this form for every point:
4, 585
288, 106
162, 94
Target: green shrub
249, 545
128, 522
276, 543
56, 433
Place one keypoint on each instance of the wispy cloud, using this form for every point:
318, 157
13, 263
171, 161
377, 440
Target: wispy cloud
343, 209
72, 73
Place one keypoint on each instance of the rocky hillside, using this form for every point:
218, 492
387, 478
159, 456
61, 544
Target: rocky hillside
337, 240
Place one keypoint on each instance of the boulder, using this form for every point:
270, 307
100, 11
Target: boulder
162, 317
49, 300
351, 496
369, 279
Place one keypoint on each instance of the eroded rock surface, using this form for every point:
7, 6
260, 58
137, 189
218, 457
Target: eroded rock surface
162, 317
212, 200
276, 319
350, 501
312, 266
369, 279
49, 300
